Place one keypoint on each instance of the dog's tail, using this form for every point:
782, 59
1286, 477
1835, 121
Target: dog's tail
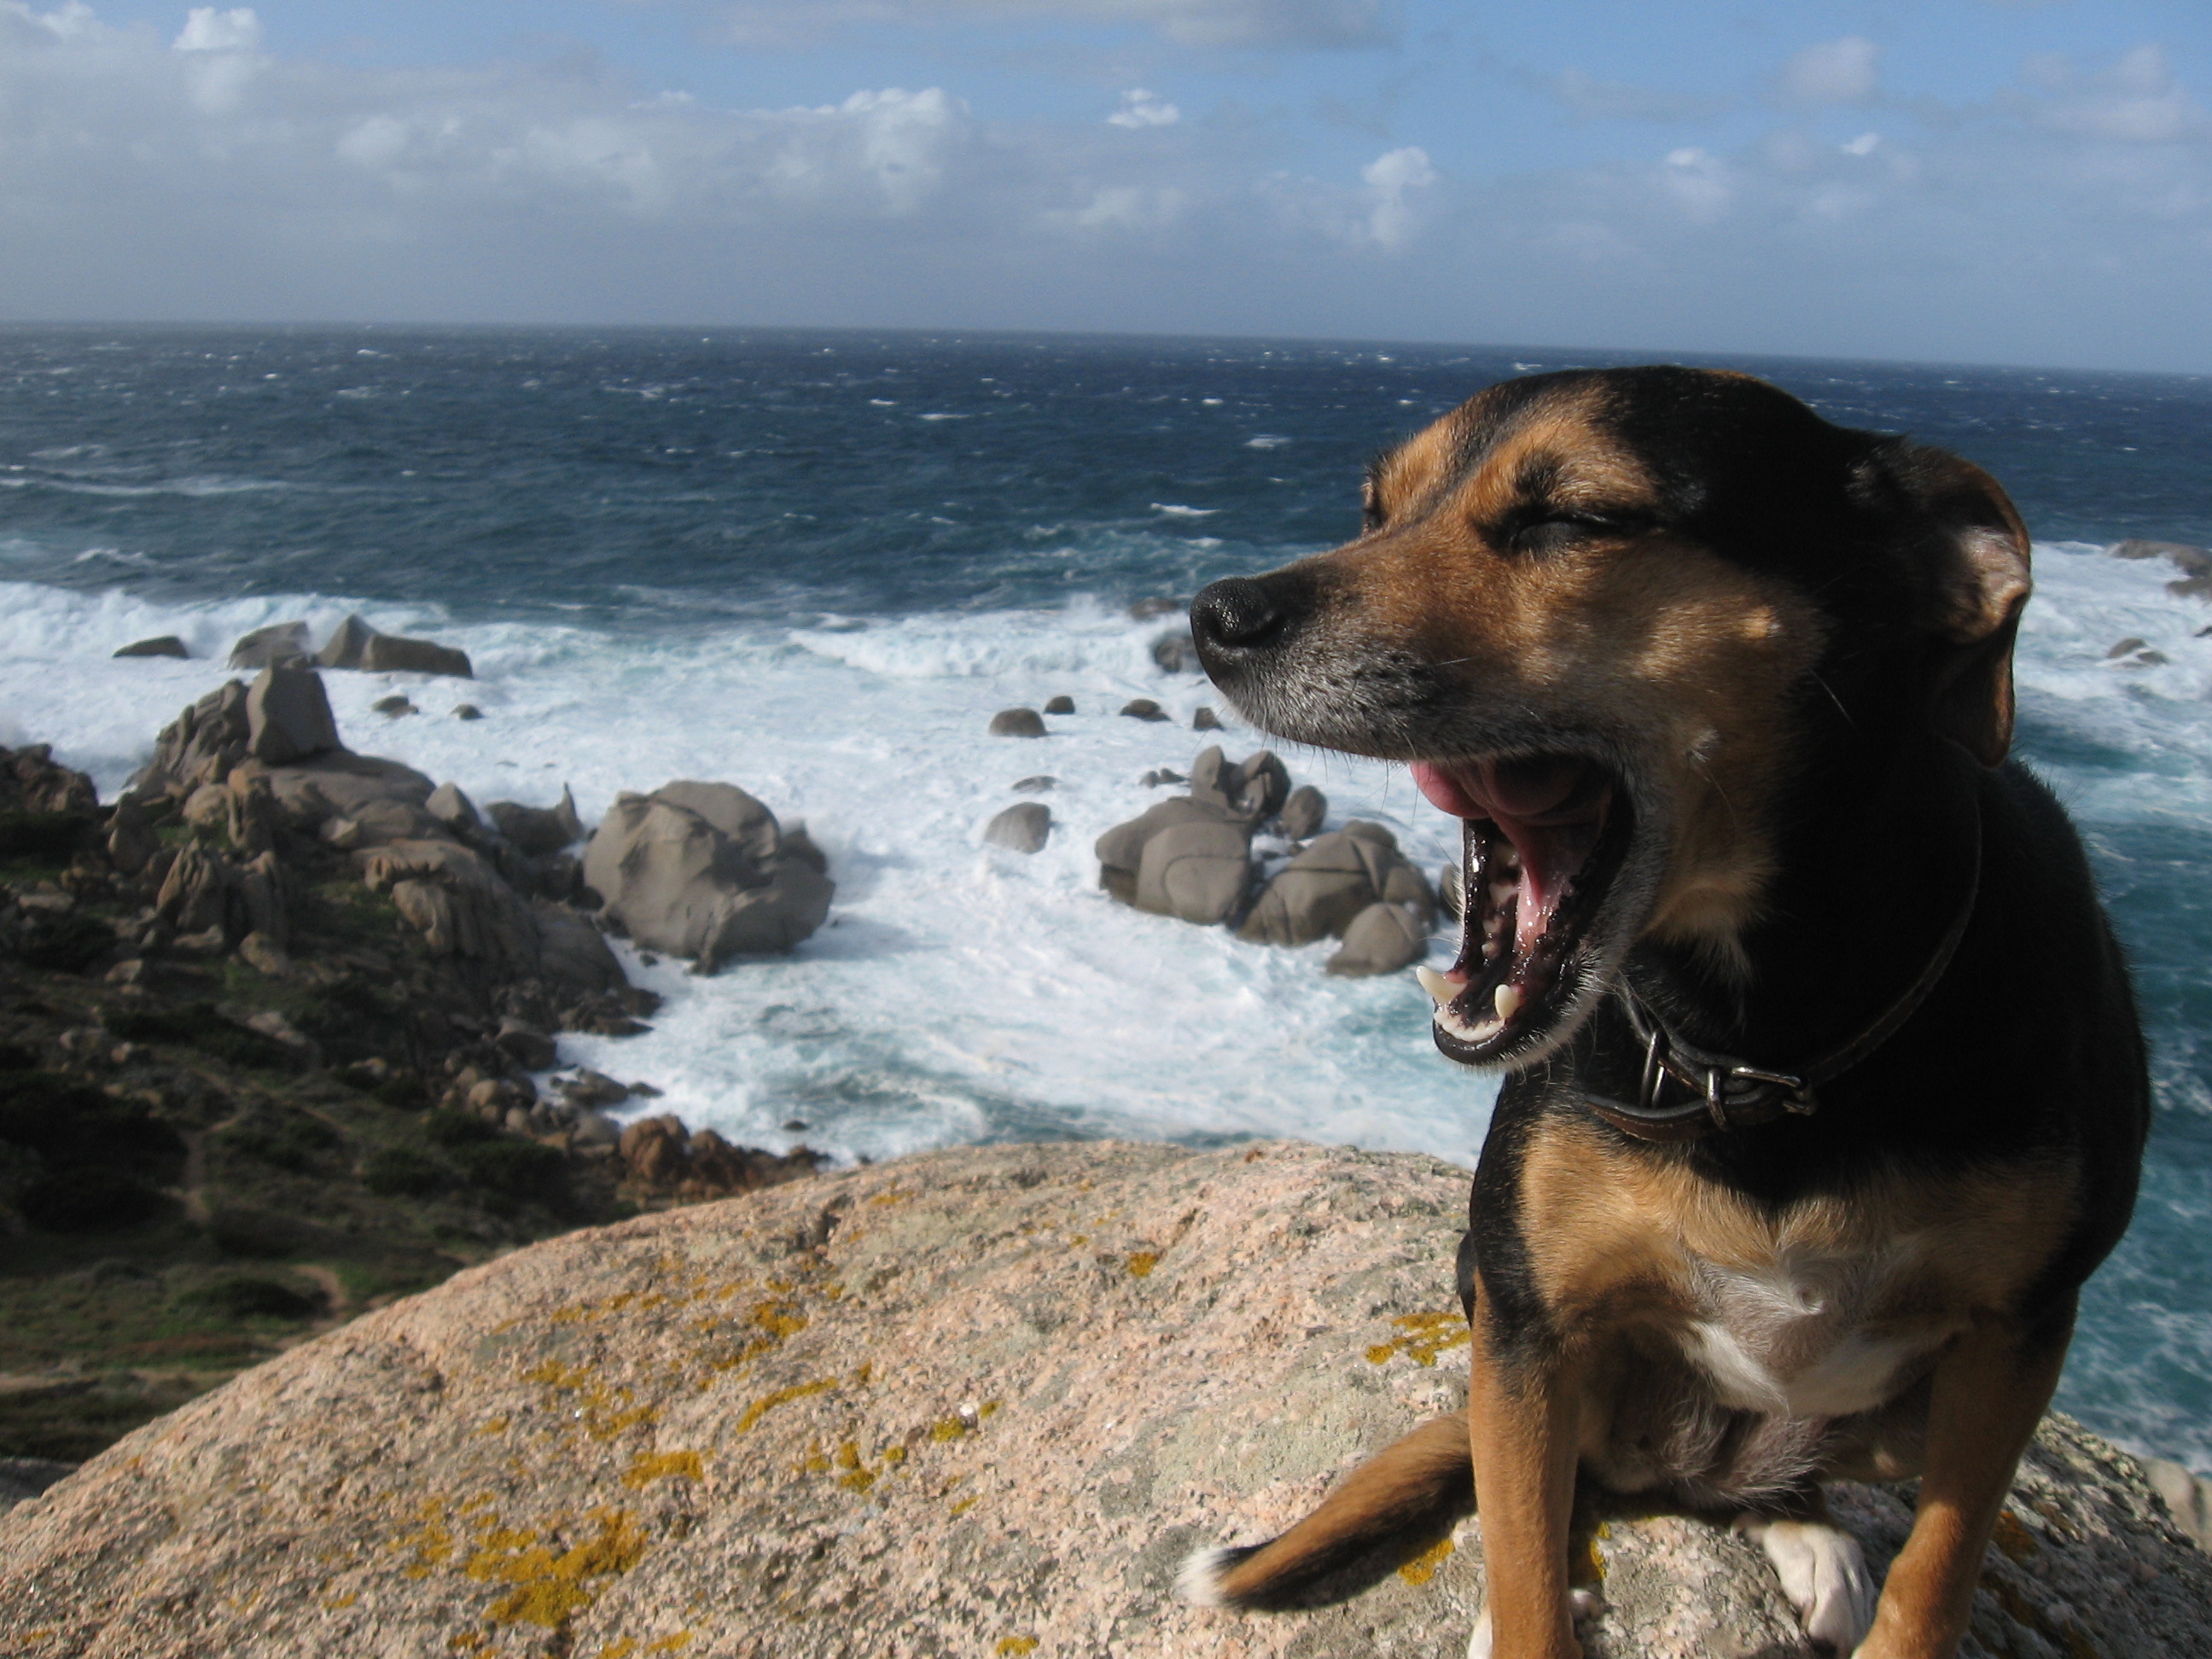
1412, 1488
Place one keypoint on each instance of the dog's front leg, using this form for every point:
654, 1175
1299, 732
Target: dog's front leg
1990, 1391
1521, 1429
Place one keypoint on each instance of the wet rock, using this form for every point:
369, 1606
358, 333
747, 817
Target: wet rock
1157, 605
2194, 564
1205, 720
1062, 704
1305, 809
356, 645
1143, 708
589, 1088
1319, 893
1196, 871
395, 706
526, 1045
1254, 789
1381, 939
538, 830
167, 645
1018, 723
1024, 828
278, 644
288, 717
1160, 777
1177, 652
467, 711
454, 809
758, 1426
200, 745
1121, 850
703, 870
1036, 786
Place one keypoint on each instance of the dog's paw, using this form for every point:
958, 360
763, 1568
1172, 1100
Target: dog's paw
1581, 1603
1824, 1574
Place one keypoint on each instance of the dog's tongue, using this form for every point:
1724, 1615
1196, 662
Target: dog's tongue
1551, 807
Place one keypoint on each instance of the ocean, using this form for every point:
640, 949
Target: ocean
815, 565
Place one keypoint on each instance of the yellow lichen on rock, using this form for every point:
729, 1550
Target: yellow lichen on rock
549, 1588
1422, 1567
1430, 1335
662, 1465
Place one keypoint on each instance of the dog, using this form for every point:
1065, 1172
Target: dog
1823, 1087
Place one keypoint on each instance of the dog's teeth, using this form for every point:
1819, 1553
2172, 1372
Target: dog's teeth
1502, 891
1508, 1002
1465, 1032
1491, 948
1441, 990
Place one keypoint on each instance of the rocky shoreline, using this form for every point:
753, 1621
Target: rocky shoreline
275, 1029
979, 1401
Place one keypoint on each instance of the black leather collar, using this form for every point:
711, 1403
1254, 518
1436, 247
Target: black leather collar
1726, 1093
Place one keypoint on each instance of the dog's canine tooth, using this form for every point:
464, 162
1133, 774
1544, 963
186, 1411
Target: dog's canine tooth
1507, 1001
1441, 990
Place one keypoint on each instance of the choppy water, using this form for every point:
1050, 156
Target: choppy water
815, 564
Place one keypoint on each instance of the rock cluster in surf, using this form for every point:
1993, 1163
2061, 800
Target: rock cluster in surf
1242, 848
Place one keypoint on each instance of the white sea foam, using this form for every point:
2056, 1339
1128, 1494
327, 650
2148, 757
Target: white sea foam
964, 992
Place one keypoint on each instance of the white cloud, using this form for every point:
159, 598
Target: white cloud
1834, 72
208, 28
1865, 144
1141, 108
1393, 178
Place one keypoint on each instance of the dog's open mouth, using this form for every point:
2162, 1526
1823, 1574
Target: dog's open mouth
1545, 836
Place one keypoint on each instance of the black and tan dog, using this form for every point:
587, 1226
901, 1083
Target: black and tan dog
1825, 1090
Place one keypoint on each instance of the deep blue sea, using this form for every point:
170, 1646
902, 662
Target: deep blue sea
815, 564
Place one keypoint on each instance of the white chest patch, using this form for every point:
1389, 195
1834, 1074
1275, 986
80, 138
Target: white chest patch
1793, 1337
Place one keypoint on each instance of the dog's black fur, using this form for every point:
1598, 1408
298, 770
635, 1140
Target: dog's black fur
2024, 1063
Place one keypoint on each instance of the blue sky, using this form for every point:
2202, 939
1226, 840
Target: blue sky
1971, 180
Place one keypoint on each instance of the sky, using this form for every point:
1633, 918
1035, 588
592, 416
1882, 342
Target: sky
2011, 181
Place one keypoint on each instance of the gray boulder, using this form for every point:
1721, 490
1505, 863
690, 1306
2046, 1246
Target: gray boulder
1036, 786
454, 809
1062, 704
679, 882
356, 645
1253, 789
1018, 723
389, 654
279, 642
538, 830
1304, 811
1319, 893
288, 716
343, 647
1144, 709
1121, 850
1024, 828
340, 784
1205, 720
1177, 652
1381, 939
167, 644
1198, 871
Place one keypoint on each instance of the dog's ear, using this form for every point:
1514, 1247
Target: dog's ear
1977, 547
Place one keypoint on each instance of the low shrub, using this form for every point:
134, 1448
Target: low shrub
401, 1172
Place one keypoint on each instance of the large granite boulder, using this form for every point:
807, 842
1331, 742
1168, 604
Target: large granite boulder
277, 645
356, 645
1121, 850
288, 717
1319, 893
539, 831
1198, 871
199, 746
979, 1402
704, 871
1381, 939
162, 645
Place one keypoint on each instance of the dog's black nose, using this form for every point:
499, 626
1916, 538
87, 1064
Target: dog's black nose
1240, 614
